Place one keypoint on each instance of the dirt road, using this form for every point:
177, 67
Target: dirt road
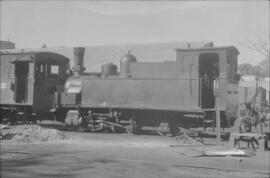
123, 155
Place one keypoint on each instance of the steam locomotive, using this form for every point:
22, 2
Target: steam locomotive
143, 95
151, 95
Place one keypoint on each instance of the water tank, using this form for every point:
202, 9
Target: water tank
108, 69
125, 64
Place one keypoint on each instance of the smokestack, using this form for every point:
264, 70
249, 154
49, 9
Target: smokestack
78, 53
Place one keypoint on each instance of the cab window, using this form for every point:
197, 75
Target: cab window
55, 69
47, 71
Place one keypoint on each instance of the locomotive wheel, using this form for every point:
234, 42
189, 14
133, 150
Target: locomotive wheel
174, 128
117, 129
82, 124
164, 129
161, 133
81, 129
133, 128
107, 130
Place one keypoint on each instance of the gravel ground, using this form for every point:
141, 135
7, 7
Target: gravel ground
123, 155
31, 134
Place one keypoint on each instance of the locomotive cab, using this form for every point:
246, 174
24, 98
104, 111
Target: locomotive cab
206, 65
29, 80
51, 72
43, 69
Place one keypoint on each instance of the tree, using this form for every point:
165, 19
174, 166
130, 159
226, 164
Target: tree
261, 46
260, 70
264, 66
246, 69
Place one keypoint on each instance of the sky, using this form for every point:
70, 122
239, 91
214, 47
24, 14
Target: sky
80, 23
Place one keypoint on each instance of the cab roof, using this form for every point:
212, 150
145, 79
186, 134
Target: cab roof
232, 48
37, 52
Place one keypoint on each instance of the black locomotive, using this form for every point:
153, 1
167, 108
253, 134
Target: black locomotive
151, 95
141, 95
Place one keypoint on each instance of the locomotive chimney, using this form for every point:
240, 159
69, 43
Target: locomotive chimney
78, 53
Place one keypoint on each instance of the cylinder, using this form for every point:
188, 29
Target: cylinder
78, 53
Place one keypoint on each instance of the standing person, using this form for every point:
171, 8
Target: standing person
239, 126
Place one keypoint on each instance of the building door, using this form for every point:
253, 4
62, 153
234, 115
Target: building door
208, 72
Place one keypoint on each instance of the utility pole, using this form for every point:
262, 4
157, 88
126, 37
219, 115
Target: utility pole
216, 93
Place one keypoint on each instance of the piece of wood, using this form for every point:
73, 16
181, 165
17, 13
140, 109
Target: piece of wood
233, 152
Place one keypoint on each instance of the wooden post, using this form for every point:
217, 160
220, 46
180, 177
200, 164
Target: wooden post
216, 93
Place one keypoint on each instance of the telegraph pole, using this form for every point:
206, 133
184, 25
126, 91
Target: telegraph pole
216, 93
